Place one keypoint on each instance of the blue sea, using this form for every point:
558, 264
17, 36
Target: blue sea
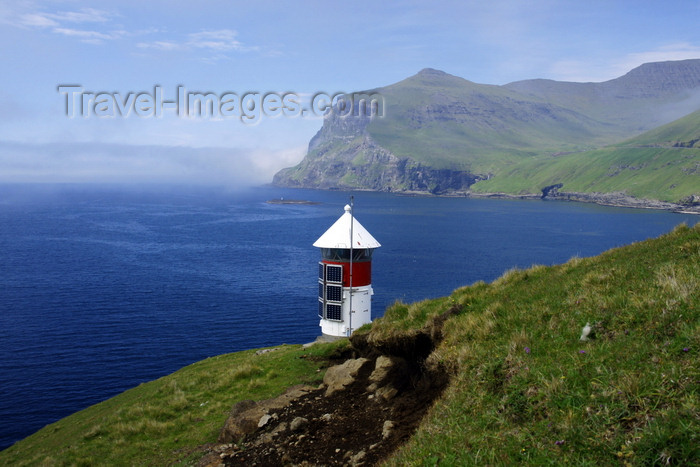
105, 287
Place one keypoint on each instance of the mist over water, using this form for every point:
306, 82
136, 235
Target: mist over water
103, 288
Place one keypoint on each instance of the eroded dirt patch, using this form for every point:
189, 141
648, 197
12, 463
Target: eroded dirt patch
362, 421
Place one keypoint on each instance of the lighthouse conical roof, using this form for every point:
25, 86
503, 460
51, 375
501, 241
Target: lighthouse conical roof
338, 235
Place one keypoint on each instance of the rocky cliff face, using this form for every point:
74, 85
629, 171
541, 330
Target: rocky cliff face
343, 155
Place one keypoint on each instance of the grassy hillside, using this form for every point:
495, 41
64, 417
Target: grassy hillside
666, 174
682, 132
448, 122
163, 421
524, 387
445, 121
662, 164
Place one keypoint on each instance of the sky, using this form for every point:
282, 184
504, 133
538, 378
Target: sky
90, 88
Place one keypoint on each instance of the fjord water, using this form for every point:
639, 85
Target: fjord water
103, 288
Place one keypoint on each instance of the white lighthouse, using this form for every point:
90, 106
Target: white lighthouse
345, 276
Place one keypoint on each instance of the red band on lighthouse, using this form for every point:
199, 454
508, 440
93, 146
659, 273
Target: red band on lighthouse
361, 273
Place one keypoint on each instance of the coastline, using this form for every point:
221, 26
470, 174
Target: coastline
614, 199
290, 201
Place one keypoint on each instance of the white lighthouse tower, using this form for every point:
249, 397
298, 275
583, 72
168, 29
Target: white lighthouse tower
345, 276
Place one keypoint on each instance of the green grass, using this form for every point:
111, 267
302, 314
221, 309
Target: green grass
666, 174
685, 129
161, 422
647, 166
447, 122
524, 390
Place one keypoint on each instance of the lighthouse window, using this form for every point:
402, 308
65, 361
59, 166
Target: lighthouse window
334, 273
334, 293
320, 308
333, 254
343, 254
320, 271
333, 312
320, 290
362, 254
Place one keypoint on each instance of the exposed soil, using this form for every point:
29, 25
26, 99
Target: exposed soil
358, 425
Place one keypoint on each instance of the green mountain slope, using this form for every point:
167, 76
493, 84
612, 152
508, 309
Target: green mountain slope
684, 132
447, 122
662, 164
524, 388
440, 133
648, 96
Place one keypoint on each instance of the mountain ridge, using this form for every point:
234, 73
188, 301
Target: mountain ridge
442, 134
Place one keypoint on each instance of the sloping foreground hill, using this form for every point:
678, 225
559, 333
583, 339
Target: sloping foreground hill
661, 164
592, 362
164, 421
528, 389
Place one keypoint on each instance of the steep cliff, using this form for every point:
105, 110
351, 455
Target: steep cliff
344, 155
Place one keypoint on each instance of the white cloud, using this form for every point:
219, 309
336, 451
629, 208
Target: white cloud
37, 20
271, 162
215, 44
64, 23
109, 162
85, 15
74, 24
222, 40
603, 70
86, 35
160, 45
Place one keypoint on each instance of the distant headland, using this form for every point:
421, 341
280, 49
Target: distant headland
291, 201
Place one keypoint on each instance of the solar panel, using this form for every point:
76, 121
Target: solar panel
334, 293
330, 289
333, 312
334, 273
